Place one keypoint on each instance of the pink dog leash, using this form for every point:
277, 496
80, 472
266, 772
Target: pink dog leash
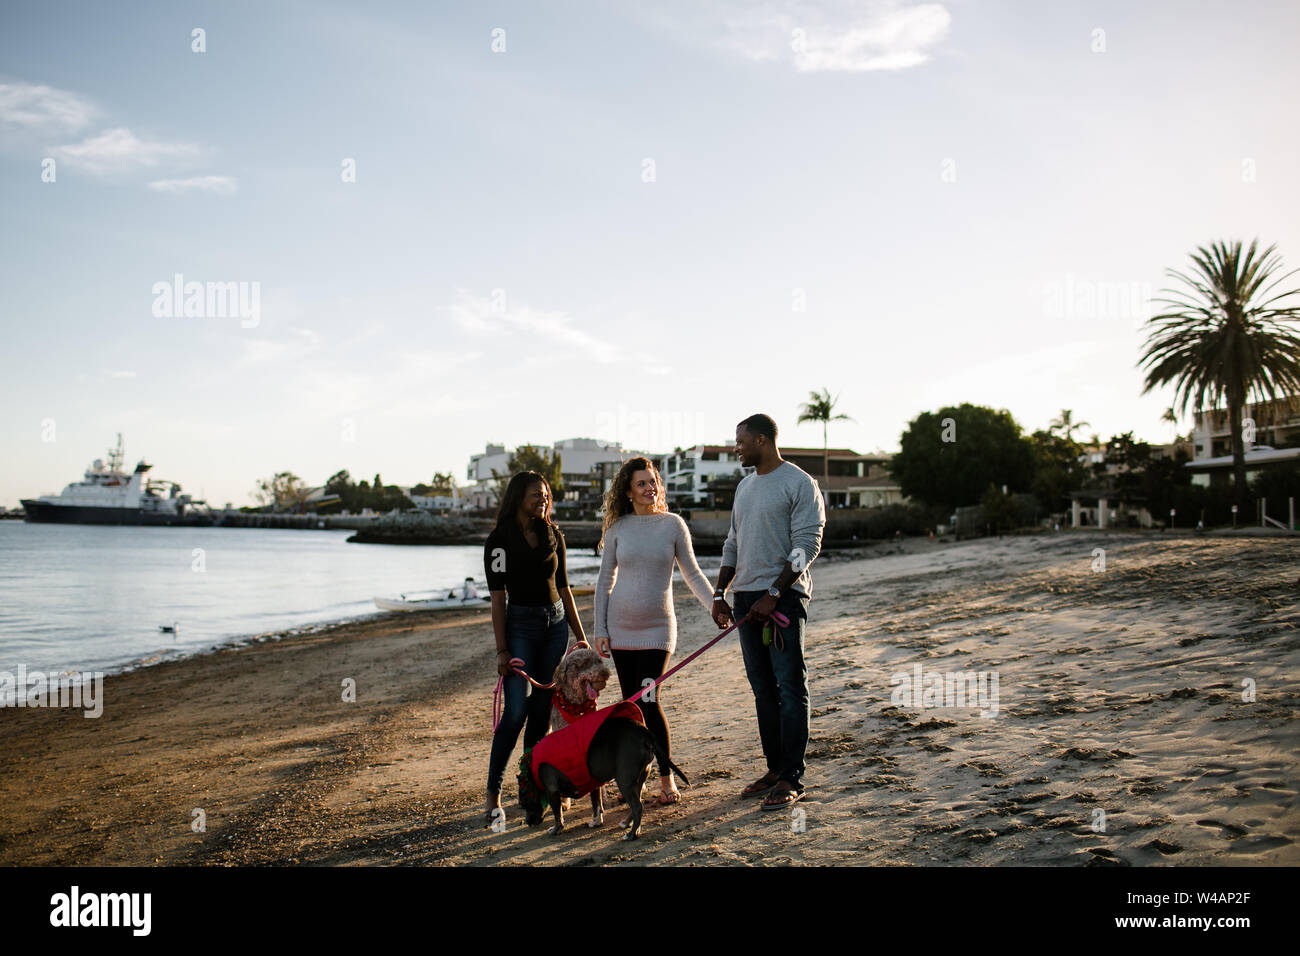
517, 665
777, 616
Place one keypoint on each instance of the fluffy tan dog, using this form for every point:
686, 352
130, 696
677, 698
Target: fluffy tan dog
579, 679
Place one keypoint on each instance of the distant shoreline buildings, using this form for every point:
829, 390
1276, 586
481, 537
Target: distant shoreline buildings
702, 477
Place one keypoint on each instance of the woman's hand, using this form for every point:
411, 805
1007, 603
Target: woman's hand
503, 664
602, 646
722, 615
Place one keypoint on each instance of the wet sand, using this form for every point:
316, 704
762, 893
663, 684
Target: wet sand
1121, 735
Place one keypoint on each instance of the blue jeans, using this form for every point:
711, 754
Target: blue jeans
778, 677
537, 636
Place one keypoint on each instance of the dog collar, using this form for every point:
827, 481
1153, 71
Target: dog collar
570, 712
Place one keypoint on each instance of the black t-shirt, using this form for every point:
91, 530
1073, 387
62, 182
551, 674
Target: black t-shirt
532, 576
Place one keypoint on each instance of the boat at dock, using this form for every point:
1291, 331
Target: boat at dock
109, 495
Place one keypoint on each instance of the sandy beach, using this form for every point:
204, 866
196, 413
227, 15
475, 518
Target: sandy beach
1120, 737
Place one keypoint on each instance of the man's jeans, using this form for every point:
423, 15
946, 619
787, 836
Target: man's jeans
779, 678
537, 635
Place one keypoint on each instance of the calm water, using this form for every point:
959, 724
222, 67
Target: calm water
86, 598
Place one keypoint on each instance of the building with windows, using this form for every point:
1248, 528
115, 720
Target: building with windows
588, 467
1271, 430
855, 481
704, 476
482, 489
436, 503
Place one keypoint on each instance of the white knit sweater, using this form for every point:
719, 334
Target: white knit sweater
634, 591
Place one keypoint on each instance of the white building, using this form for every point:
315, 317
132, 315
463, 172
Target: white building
584, 465
1270, 426
482, 489
686, 473
437, 503
581, 461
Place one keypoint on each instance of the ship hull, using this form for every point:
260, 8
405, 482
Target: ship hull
40, 512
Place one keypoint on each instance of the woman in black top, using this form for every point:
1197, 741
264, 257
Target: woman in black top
524, 560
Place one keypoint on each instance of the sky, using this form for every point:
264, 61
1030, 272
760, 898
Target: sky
455, 224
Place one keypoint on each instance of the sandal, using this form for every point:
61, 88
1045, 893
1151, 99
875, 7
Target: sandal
781, 799
760, 786
669, 798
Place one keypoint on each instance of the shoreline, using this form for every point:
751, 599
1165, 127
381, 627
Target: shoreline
1119, 693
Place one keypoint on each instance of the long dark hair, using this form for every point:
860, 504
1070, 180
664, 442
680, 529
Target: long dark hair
514, 497
617, 502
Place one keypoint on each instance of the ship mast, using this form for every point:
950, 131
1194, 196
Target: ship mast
115, 457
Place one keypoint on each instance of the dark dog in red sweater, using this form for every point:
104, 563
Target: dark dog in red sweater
610, 744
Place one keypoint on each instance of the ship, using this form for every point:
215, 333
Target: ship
108, 495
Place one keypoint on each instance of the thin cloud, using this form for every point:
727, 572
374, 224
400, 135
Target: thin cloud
817, 35
222, 185
259, 350
43, 110
481, 316
120, 150
894, 39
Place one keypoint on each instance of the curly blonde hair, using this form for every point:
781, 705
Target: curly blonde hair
617, 502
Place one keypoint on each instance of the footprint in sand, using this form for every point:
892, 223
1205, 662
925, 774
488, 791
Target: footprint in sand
1103, 857
1229, 831
1163, 846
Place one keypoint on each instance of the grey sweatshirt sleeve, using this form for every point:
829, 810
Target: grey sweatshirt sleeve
605, 583
807, 519
729, 546
689, 567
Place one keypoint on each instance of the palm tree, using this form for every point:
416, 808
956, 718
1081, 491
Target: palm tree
1065, 422
1225, 337
818, 408
1172, 419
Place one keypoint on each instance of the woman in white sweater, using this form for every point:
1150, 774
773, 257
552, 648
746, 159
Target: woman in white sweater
634, 592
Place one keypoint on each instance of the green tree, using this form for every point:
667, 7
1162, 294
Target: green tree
532, 458
1066, 424
948, 458
1057, 469
818, 408
442, 484
1166, 483
1225, 337
1170, 417
284, 492
340, 483
1130, 459
998, 510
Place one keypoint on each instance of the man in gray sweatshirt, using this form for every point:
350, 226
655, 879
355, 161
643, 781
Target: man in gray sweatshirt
776, 532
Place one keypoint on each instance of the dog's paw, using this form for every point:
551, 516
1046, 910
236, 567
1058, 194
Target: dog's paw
631, 835
596, 821
555, 830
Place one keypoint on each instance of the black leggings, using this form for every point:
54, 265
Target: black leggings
634, 668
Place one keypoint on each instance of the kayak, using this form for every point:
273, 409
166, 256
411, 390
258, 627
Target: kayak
432, 604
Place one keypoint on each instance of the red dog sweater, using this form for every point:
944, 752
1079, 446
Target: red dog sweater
566, 749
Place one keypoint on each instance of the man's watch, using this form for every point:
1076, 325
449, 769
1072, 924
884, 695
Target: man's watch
774, 591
